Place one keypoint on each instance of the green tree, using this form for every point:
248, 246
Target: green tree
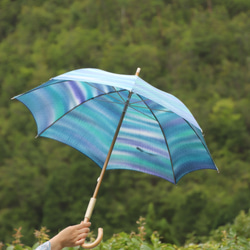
196, 50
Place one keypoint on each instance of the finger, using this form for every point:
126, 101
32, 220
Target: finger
81, 238
82, 234
83, 230
88, 223
80, 242
83, 225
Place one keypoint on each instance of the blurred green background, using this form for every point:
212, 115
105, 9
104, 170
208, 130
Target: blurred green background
198, 51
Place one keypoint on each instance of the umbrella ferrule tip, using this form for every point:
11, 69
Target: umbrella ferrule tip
138, 71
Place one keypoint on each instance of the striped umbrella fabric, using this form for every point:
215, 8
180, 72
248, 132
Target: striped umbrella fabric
82, 108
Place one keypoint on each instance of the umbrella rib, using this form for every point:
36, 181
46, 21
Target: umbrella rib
163, 136
133, 104
88, 83
73, 109
140, 112
39, 87
134, 108
201, 142
61, 81
139, 101
115, 91
167, 111
118, 92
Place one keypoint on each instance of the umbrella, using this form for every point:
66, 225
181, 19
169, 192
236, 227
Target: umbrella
120, 122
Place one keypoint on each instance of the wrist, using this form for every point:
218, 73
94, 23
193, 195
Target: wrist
56, 243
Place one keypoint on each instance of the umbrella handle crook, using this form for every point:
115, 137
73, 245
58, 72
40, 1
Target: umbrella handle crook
96, 242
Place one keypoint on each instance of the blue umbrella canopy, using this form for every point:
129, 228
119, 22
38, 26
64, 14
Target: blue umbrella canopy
157, 134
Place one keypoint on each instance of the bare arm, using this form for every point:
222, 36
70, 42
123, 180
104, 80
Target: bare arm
70, 236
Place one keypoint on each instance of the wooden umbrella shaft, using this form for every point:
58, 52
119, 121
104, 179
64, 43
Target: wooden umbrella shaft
111, 147
99, 181
113, 141
93, 199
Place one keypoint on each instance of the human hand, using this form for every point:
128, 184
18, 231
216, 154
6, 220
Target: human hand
70, 236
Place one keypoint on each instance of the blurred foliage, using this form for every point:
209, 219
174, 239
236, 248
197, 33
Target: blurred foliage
231, 236
197, 50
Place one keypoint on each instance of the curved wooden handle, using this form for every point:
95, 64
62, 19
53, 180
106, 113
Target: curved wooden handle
96, 242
